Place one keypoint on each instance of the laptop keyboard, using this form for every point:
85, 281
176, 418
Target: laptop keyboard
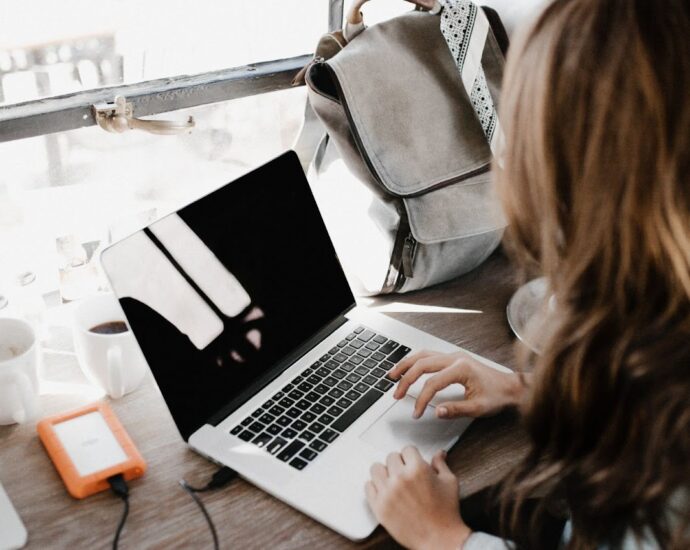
304, 417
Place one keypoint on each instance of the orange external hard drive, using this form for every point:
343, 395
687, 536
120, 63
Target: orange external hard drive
88, 446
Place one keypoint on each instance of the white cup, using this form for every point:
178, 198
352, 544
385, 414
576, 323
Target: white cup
113, 362
18, 372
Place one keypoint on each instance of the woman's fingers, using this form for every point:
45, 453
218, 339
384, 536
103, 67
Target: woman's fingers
438, 462
379, 475
433, 363
404, 364
454, 409
371, 493
394, 463
454, 374
411, 456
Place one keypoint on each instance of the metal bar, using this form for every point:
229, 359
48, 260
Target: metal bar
335, 15
72, 111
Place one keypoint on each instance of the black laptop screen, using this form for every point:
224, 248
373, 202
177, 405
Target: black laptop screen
220, 292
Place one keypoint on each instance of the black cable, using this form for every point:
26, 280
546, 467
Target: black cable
120, 489
220, 478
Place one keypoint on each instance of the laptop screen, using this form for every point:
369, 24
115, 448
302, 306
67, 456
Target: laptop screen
219, 292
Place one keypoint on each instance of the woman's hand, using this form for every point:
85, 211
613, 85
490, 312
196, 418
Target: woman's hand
418, 503
487, 390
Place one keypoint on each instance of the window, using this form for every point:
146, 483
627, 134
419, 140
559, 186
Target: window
67, 187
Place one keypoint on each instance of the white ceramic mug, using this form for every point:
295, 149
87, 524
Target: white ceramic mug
113, 362
18, 372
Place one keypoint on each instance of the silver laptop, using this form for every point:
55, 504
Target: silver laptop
264, 359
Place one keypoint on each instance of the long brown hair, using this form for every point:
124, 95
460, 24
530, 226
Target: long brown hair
596, 187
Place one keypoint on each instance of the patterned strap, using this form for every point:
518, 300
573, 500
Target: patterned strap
465, 28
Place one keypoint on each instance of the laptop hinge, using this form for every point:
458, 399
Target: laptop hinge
279, 368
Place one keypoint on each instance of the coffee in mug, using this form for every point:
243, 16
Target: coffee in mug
110, 327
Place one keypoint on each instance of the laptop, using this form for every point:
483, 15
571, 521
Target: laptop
263, 357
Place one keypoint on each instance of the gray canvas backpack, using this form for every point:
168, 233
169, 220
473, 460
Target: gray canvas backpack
403, 176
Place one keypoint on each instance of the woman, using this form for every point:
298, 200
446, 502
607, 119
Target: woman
596, 187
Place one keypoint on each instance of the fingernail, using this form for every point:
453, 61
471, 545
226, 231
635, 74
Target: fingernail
442, 412
416, 414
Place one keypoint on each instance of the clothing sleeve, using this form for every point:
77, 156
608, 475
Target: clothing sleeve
482, 541
351, 30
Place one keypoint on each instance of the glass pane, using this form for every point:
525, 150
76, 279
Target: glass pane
63, 196
49, 48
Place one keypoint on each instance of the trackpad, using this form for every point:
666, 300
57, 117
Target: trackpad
396, 428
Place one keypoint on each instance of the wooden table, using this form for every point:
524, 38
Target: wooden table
162, 515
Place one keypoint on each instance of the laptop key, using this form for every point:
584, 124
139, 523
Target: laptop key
326, 400
356, 359
308, 454
298, 425
348, 350
318, 445
358, 330
289, 387
298, 463
331, 364
352, 377
307, 435
318, 408
388, 347
340, 358
326, 419
357, 410
267, 418
344, 402
335, 411
342, 343
380, 339
350, 337
364, 353
373, 346
325, 358
312, 396
308, 417
361, 370
386, 365
330, 381
257, 413
357, 344
370, 363
247, 421
295, 395
329, 435
274, 446
353, 395
344, 385
378, 356
289, 433
347, 367
274, 429
294, 412
246, 435
236, 430
322, 372
369, 380
398, 354
257, 427
307, 372
305, 387
313, 379
366, 335
361, 387
286, 402
316, 365
276, 410
262, 440
384, 385
303, 404
291, 450
297, 379
317, 427
339, 374
336, 393
284, 421
378, 372
334, 350
321, 389
268, 404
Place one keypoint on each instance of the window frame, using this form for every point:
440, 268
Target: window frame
73, 111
